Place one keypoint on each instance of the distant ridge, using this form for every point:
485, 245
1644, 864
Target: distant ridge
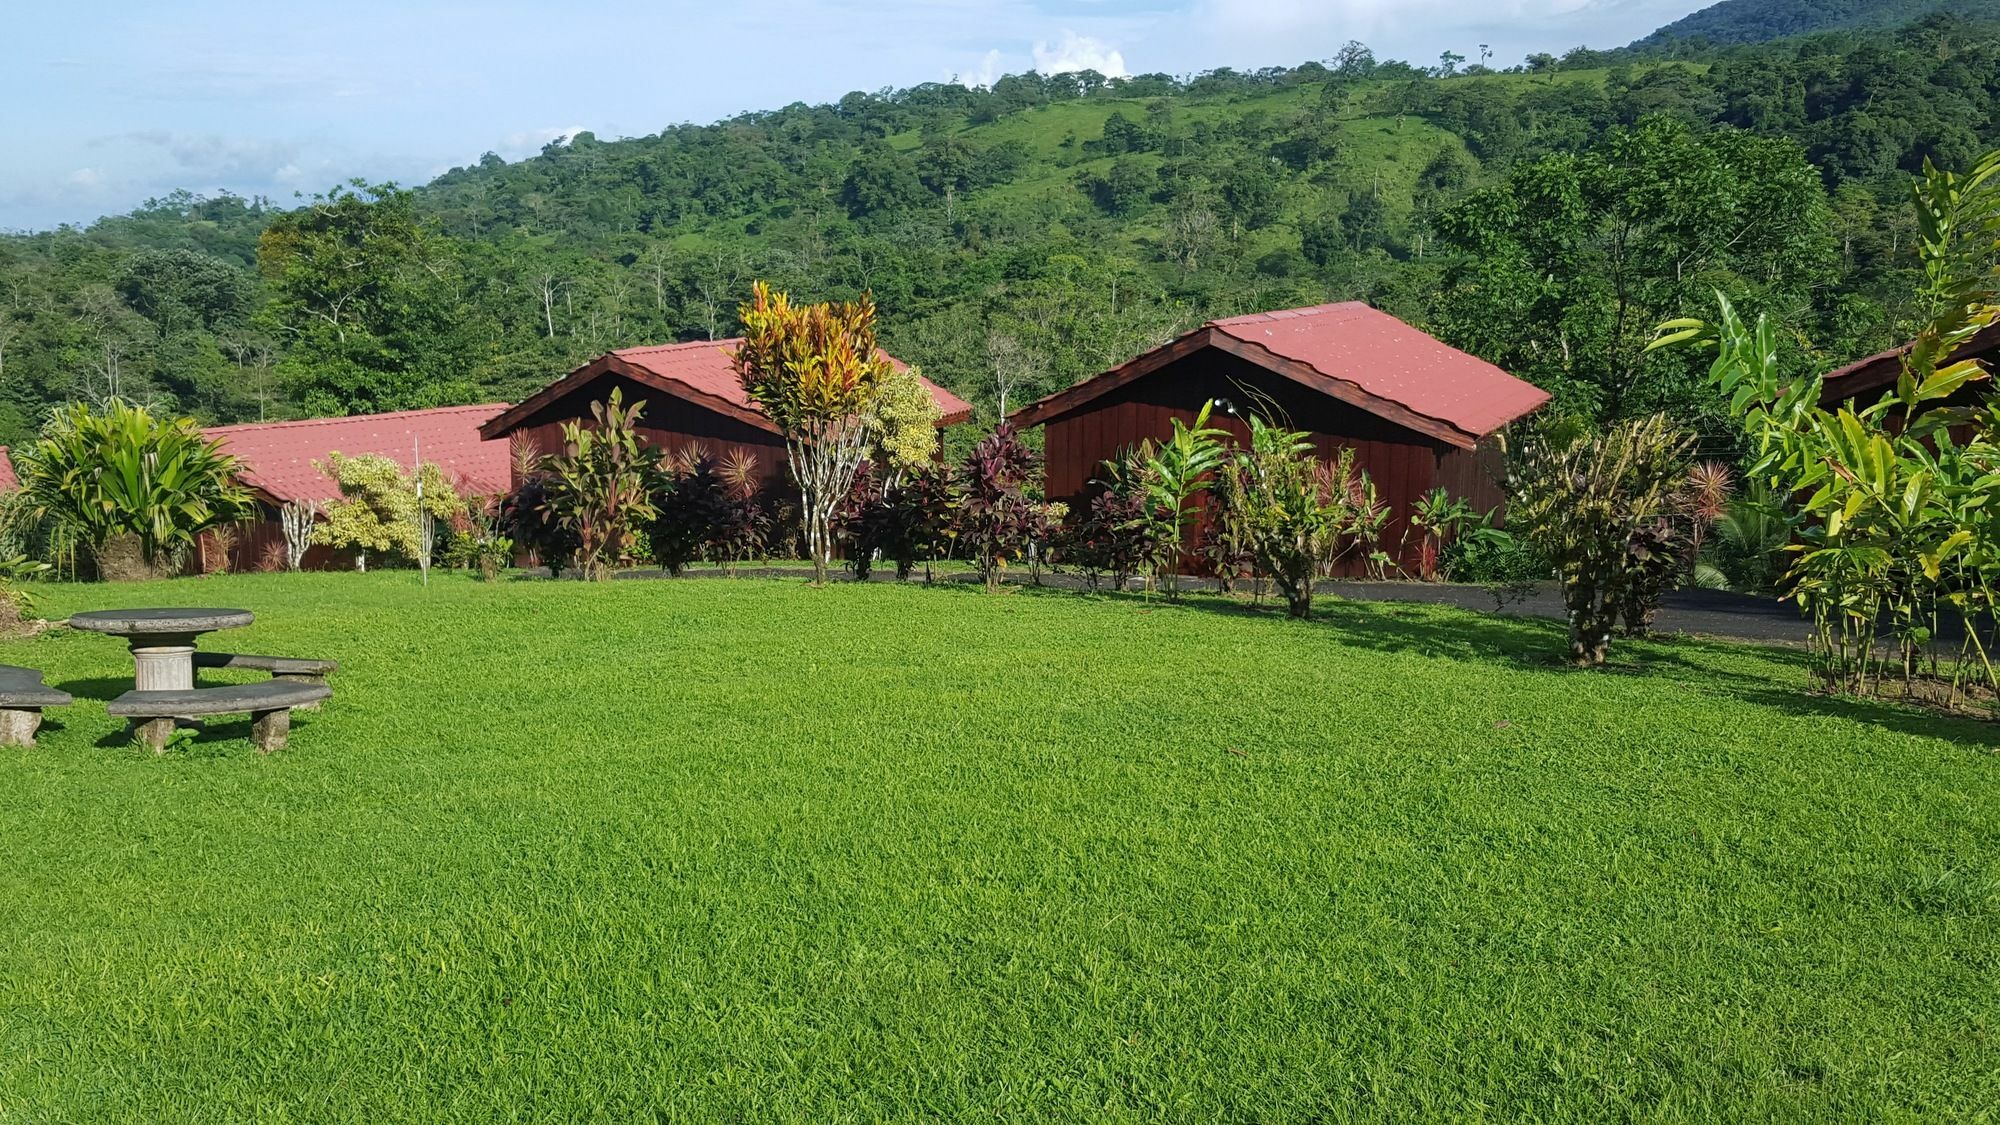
1758, 21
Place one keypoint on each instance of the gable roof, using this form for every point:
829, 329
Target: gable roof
1348, 351
698, 372
279, 456
1880, 371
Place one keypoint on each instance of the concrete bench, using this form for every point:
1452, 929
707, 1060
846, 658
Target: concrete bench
288, 668
269, 704
22, 697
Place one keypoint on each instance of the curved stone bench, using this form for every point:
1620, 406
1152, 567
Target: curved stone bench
289, 668
22, 697
269, 704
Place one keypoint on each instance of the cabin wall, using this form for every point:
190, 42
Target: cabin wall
1402, 463
667, 423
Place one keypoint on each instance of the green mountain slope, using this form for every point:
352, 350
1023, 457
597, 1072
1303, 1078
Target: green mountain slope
1759, 21
1015, 238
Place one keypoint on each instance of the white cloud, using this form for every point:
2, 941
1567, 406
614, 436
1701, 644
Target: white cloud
529, 142
212, 157
86, 178
991, 66
1075, 52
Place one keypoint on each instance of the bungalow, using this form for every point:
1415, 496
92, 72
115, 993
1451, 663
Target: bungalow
691, 395
1418, 413
281, 466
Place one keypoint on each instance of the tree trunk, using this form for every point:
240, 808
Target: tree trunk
1591, 618
122, 558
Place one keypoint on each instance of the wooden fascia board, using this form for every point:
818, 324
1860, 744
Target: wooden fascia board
1312, 378
687, 393
609, 364
518, 414
1065, 401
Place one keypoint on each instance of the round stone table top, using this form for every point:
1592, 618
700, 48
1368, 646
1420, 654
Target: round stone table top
171, 622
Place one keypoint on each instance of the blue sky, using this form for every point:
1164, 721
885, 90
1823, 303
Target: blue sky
104, 104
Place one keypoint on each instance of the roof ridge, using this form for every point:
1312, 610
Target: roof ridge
301, 423
676, 346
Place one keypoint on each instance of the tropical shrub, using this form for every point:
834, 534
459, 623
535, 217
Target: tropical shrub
1224, 543
1110, 539
816, 372
1594, 505
527, 518
132, 489
862, 521
996, 520
1306, 514
691, 503
16, 604
1173, 476
600, 487
1751, 538
380, 508
1439, 519
920, 519
1894, 521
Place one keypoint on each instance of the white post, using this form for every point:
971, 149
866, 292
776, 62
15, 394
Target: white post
424, 528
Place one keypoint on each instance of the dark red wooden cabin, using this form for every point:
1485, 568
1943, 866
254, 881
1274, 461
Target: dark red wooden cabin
691, 395
1418, 413
1864, 382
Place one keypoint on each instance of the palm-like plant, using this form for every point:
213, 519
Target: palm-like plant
1303, 513
135, 489
598, 487
1175, 474
1894, 516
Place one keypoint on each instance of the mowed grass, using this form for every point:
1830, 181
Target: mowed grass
742, 849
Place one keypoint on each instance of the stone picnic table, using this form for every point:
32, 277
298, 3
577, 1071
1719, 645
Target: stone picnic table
162, 640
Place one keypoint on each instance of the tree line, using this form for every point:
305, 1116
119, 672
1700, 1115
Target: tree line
1024, 236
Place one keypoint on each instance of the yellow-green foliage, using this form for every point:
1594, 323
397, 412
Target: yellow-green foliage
905, 422
377, 509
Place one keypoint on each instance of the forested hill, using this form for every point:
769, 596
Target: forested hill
1021, 237
1759, 21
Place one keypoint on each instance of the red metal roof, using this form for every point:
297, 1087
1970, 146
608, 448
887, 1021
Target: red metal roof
279, 456
9, 482
1352, 352
699, 371
1383, 356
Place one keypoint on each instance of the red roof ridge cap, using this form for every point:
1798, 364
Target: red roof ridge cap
241, 427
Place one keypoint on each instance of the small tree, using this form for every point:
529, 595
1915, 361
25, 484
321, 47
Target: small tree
133, 489
1593, 504
379, 508
599, 487
904, 420
816, 371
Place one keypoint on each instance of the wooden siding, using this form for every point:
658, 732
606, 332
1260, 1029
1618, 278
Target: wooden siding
1402, 463
667, 423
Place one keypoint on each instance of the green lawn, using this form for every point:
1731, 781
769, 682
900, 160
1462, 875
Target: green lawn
715, 849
